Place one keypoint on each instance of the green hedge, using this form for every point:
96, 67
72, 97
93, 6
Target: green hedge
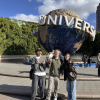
16, 40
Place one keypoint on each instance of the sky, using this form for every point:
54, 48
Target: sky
30, 10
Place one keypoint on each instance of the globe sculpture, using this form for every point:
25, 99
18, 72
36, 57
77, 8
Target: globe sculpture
66, 39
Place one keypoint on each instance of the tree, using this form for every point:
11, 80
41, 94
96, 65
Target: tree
90, 48
16, 40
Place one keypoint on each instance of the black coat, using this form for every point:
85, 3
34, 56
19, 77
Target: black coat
64, 69
84, 58
89, 60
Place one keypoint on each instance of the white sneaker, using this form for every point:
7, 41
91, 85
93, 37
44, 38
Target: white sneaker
55, 98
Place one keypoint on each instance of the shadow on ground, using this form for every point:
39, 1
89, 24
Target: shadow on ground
20, 92
7, 96
20, 72
87, 74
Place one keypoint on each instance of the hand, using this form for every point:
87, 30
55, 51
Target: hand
37, 60
43, 61
70, 61
50, 60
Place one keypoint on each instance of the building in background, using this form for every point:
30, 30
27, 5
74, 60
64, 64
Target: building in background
98, 18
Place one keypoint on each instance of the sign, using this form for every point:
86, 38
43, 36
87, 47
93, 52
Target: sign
78, 24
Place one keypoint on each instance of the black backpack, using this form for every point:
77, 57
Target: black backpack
31, 74
72, 73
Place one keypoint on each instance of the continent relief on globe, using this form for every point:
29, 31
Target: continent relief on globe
58, 12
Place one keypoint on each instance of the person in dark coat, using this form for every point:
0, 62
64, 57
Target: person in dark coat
89, 61
71, 85
84, 59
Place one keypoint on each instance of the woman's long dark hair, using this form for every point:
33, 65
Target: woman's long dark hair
69, 58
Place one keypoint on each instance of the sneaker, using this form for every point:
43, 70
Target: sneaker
55, 98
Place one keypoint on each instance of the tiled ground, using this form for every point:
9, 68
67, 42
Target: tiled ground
17, 97
23, 85
22, 69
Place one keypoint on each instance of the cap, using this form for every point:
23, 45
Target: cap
39, 49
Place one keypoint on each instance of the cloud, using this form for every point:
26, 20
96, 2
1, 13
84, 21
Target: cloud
24, 17
82, 7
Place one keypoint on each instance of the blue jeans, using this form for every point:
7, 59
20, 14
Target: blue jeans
90, 65
71, 88
85, 64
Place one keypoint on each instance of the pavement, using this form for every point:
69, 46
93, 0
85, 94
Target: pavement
23, 70
86, 88
18, 97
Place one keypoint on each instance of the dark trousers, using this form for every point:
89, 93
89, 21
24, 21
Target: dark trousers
38, 81
85, 64
99, 70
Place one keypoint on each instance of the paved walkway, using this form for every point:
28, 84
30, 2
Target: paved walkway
17, 97
23, 85
13, 97
22, 69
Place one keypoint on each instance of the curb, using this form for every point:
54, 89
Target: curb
61, 78
76, 64
15, 75
60, 94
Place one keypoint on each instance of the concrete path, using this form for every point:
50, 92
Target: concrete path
22, 69
18, 97
22, 86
